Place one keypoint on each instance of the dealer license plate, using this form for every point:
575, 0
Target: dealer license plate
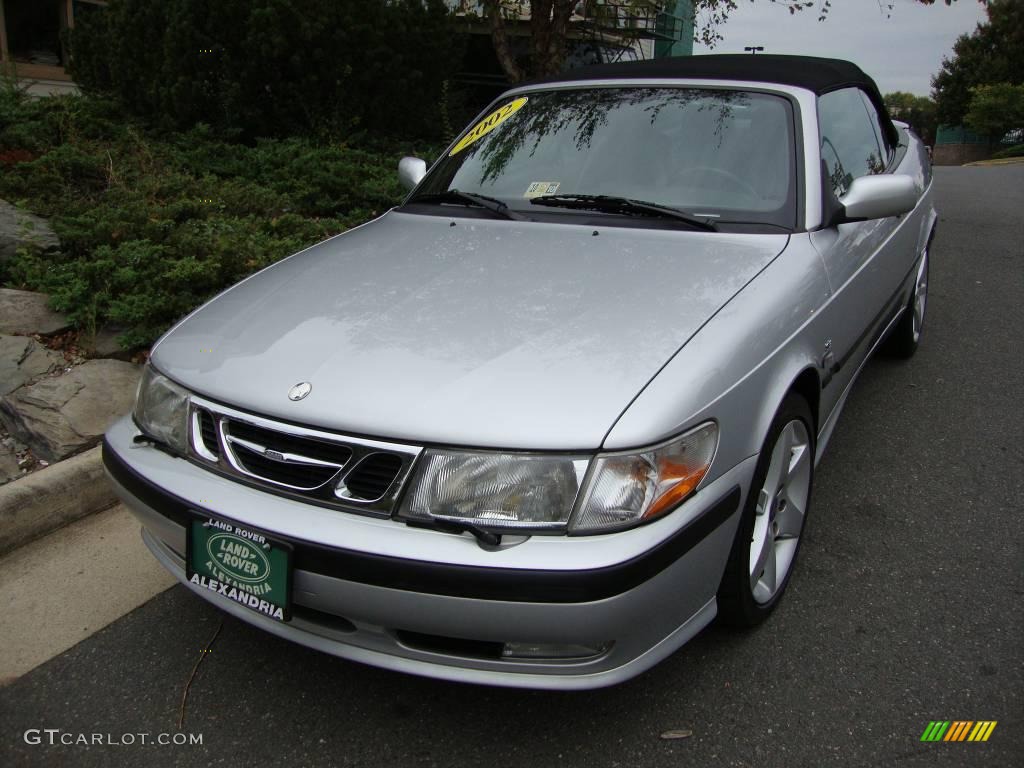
241, 564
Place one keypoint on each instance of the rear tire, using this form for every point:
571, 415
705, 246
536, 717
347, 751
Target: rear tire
772, 522
906, 336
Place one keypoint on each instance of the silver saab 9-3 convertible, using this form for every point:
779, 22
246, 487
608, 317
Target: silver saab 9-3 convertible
542, 422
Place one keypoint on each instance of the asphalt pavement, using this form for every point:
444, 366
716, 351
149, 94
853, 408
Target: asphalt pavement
906, 605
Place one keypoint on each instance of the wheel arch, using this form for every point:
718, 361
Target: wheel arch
808, 385
803, 379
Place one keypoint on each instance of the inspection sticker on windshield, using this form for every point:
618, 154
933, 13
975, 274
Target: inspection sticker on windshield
538, 188
241, 564
489, 123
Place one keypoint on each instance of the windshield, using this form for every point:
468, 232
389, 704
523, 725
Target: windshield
722, 154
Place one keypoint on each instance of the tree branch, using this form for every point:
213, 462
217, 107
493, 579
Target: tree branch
499, 38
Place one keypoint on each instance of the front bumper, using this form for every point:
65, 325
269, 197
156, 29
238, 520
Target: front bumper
370, 590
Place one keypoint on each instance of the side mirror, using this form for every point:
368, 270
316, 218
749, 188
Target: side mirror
411, 171
877, 197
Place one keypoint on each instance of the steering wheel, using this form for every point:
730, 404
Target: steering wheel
740, 184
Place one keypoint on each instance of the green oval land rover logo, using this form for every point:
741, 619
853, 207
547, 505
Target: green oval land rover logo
239, 558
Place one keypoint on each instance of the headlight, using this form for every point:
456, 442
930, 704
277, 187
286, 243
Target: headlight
539, 491
496, 490
161, 410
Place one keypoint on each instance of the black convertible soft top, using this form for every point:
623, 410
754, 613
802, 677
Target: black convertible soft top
811, 72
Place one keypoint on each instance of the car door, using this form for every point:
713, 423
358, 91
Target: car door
865, 261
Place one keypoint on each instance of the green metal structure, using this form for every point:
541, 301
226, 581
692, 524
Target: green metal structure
676, 24
958, 134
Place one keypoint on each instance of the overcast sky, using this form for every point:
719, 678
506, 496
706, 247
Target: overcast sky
900, 52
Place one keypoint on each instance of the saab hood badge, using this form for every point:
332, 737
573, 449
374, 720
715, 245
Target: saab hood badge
300, 390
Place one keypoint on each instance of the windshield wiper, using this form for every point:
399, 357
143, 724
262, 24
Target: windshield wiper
483, 201
625, 206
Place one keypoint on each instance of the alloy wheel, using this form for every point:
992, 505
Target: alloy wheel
920, 297
779, 514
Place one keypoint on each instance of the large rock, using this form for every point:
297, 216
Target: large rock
24, 313
106, 344
59, 416
23, 360
19, 228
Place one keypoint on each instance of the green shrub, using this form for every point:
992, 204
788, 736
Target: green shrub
1016, 150
274, 67
153, 224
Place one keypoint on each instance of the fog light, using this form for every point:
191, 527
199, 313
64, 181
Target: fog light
553, 650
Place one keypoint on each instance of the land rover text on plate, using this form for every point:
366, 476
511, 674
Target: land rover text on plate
542, 422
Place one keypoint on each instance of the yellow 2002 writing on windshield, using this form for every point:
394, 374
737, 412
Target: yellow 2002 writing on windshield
488, 124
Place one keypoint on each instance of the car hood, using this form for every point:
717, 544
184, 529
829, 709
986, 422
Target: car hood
473, 332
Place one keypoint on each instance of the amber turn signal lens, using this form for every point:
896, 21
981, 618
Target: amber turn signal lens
680, 480
626, 489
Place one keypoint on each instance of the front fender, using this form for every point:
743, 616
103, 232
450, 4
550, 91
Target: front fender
738, 368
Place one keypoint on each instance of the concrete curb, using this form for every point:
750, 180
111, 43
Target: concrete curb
1001, 161
36, 504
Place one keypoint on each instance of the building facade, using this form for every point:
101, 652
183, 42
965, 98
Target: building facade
33, 41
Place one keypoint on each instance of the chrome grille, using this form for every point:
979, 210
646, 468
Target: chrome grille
373, 476
322, 467
208, 432
320, 450
289, 471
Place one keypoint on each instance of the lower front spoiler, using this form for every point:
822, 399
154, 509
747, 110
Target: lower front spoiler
390, 653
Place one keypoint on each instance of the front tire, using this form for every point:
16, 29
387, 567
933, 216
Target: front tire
764, 551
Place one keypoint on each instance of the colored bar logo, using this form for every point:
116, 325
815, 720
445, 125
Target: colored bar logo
959, 730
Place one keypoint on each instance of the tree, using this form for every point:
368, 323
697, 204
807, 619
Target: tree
995, 110
549, 26
274, 67
918, 111
993, 53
